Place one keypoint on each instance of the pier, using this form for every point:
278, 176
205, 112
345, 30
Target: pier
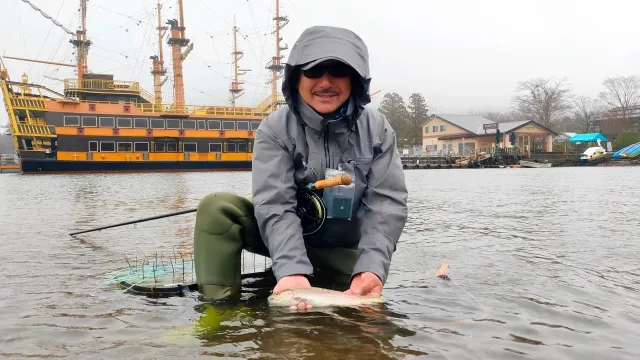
496, 158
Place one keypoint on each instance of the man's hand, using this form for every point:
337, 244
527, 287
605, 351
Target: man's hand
292, 282
365, 283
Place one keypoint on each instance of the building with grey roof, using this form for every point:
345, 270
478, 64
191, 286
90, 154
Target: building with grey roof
470, 134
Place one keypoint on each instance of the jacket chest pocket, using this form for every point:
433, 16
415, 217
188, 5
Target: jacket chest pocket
361, 167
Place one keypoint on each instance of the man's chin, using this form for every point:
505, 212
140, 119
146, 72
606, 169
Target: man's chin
324, 108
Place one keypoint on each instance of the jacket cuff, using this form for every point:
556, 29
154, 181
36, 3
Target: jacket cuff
372, 260
281, 270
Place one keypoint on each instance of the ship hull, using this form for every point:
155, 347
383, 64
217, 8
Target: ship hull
31, 166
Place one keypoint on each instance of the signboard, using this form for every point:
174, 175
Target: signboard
486, 127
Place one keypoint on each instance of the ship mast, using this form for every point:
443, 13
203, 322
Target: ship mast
82, 44
236, 90
276, 67
158, 68
177, 41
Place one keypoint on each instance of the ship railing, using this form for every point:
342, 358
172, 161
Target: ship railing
269, 103
108, 86
9, 159
199, 110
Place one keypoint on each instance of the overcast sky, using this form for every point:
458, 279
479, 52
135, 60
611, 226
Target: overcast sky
462, 55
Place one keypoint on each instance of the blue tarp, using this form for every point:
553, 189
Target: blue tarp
585, 138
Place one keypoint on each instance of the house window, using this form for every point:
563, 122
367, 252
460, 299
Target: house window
426, 129
443, 128
435, 129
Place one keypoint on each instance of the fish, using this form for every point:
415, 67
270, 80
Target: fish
321, 297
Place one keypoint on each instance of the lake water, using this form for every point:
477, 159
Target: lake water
544, 263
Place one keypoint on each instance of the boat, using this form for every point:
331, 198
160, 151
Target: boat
534, 164
628, 152
593, 154
99, 123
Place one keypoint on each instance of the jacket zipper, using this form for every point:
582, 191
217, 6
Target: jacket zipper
326, 150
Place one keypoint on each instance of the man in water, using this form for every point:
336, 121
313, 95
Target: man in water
324, 127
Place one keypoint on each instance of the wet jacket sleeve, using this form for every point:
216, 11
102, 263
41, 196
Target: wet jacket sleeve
384, 209
274, 201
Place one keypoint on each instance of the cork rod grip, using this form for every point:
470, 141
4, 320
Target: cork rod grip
344, 179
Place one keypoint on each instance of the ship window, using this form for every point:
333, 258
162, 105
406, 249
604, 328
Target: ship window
215, 147
125, 147
108, 122
89, 121
173, 124
231, 147
228, 125
140, 123
242, 147
107, 146
141, 147
202, 124
243, 125
214, 124
189, 124
172, 147
254, 125
72, 121
160, 147
190, 147
157, 123
93, 146
124, 122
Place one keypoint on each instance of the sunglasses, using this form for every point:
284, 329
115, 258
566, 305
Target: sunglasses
338, 70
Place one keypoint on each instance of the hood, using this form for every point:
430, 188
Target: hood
321, 42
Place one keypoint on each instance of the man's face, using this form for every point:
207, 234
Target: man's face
326, 86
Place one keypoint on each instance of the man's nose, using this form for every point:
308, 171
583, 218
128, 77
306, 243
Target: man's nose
325, 79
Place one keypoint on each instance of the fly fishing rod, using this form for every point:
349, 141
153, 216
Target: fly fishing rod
311, 209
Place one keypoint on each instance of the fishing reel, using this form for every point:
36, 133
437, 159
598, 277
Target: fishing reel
311, 208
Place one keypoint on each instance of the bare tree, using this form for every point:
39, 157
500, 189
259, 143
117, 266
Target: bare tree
544, 100
587, 111
622, 93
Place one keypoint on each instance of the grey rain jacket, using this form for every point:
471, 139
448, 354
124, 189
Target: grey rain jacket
363, 139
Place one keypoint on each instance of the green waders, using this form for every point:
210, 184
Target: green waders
225, 225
